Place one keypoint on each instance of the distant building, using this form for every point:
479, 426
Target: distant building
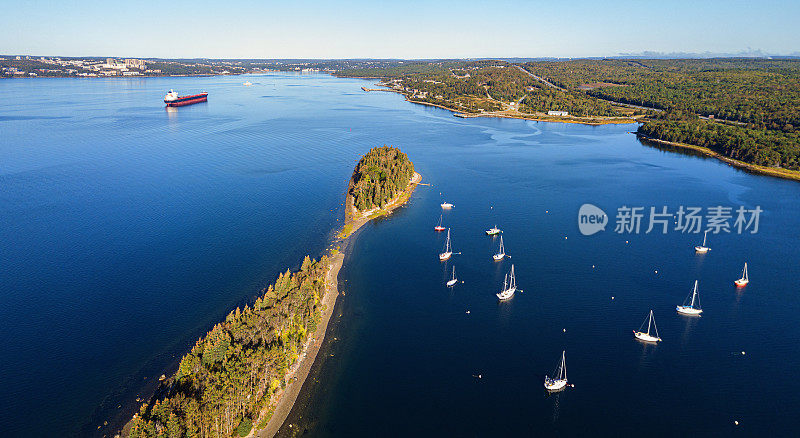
135, 63
557, 113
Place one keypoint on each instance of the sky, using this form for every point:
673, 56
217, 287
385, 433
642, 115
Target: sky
399, 29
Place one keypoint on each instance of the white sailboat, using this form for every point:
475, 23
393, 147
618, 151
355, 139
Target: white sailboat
439, 227
448, 250
453, 280
447, 205
742, 282
509, 286
702, 248
693, 308
559, 379
501, 253
646, 336
493, 231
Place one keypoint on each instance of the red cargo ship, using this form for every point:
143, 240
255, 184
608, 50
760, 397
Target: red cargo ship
172, 99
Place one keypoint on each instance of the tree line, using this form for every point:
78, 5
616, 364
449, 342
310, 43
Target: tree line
233, 372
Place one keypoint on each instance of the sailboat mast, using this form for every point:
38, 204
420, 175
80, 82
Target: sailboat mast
649, 322
564, 365
694, 294
744, 274
704, 237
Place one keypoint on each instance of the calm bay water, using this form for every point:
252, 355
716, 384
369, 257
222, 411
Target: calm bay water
128, 230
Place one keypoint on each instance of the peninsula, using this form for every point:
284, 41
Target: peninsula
243, 376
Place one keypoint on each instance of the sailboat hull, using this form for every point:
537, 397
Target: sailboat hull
555, 385
506, 294
686, 310
445, 255
645, 337
452, 282
741, 282
439, 228
701, 249
498, 257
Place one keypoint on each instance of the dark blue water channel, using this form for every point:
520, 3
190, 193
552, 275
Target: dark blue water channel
128, 230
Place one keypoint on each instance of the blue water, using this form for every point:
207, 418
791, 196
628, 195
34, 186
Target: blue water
128, 230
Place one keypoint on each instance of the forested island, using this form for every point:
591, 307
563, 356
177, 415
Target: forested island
379, 176
746, 110
236, 377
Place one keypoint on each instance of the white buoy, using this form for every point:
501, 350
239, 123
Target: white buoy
743, 353
592, 266
612, 298
564, 330
736, 422
656, 271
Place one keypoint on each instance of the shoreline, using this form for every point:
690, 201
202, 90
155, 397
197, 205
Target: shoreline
520, 116
298, 374
753, 168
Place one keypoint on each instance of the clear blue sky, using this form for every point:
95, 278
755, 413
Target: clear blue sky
397, 29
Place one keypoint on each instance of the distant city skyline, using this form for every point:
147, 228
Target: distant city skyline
404, 30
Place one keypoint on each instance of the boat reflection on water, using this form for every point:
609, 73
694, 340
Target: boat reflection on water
172, 113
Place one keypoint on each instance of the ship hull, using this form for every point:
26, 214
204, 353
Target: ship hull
187, 100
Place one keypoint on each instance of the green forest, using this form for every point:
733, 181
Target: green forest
380, 175
746, 109
231, 374
756, 146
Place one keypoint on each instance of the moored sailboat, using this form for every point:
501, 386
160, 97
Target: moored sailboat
742, 282
693, 308
702, 248
439, 227
509, 286
447, 205
453, 280
448, 250
501, 253
559, 379
651, 325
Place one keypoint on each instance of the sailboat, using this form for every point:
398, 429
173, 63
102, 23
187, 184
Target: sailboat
694, 307
702, 248
646, 336
742, 282
501, 253
559, 379
448, 250
509, 286
493, 231
453, 280
447, 205
439, 227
